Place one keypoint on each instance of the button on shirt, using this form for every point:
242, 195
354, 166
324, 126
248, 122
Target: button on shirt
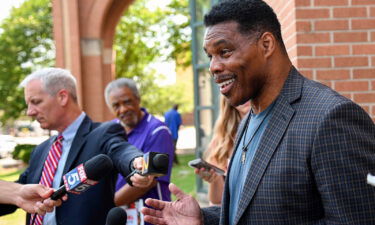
68, 134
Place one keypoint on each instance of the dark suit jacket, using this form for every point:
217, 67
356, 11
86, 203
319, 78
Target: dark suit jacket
311, 164
92, 206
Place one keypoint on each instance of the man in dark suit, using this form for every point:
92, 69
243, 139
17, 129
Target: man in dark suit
52, 100
303, 152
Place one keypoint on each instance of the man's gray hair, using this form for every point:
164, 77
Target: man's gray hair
120, 83
53, 80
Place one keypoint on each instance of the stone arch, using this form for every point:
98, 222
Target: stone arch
84, 32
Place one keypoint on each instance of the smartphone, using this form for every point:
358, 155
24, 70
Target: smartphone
200, 163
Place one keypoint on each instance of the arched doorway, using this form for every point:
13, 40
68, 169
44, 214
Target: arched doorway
83, 33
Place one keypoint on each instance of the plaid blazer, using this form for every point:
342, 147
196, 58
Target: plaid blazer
311, 164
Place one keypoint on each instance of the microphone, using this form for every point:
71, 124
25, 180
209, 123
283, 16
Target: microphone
84, 176
116, 216
154, 163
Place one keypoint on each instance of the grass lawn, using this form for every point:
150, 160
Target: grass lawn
182, 175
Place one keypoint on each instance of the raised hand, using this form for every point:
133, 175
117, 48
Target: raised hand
184, 211
34, 198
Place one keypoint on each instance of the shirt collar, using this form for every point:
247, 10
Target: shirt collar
71, 130
140, 126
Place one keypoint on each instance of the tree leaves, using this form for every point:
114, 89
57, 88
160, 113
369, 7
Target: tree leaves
145, 36
25, 44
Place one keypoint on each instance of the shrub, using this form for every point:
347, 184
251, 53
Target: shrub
23, 152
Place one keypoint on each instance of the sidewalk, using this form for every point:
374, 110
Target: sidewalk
186, 140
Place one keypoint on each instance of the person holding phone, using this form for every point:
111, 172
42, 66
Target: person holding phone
220, 148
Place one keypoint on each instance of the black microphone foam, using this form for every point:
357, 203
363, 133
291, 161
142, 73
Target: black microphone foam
154, 163
116, 216
98, 167
161, 162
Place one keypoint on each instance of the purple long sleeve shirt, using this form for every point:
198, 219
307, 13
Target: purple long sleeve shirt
152, 135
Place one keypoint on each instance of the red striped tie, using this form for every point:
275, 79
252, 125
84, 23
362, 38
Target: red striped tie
49, 169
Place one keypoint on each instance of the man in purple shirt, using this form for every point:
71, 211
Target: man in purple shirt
145, 132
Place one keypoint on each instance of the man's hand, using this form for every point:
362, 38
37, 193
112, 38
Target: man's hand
138, 163
184, 211
139, 180
33, 198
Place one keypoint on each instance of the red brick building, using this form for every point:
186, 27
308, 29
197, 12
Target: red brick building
333, 42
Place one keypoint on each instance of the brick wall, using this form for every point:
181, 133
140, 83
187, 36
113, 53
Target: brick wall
333, 42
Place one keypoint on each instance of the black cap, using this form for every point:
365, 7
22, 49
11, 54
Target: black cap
161, 162
116, 216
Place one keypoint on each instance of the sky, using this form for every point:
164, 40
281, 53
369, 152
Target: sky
166, 68
6, 6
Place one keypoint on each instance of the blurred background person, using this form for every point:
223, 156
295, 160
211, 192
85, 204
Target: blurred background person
145, 132
220, 148
173, 121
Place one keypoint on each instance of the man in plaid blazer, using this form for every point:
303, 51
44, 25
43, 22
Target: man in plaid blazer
307, 160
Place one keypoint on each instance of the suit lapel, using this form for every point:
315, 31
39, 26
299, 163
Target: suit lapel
278, 124
79, 140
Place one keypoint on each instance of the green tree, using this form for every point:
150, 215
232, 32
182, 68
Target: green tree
25, 43
145, 36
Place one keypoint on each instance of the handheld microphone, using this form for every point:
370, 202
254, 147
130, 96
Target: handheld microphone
116, 216
84, 175
154, 163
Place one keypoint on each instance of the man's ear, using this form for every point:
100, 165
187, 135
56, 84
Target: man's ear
62, 97
268, 44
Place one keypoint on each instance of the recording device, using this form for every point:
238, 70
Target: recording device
116, 216
84, 176
200, 163
154, 163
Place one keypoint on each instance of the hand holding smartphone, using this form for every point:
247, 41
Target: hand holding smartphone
200, 163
